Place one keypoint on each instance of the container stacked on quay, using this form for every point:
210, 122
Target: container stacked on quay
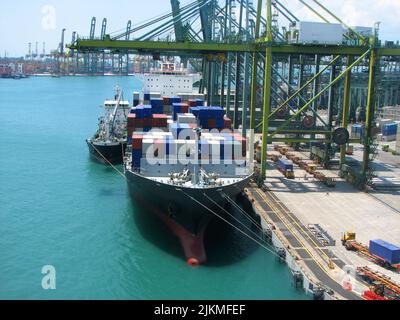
185, 166
389, 132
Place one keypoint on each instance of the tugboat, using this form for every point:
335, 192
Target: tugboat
108, 144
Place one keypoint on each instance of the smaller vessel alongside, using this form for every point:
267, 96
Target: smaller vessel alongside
109, 142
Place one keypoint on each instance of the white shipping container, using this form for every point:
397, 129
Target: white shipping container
187, 118
319, 32
147, 147
388, 138
215, 151
155, 95
382, 122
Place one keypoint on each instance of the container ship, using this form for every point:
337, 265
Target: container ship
109, 142
185, 166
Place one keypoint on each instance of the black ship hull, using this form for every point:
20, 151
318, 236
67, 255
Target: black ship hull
106, 153
186, 211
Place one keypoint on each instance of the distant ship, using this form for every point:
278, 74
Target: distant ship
177, 169
109, 142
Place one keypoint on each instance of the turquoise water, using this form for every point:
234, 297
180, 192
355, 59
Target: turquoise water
59, 208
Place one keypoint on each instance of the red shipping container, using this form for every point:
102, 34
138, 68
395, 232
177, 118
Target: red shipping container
243, 140
131, 120
137, 141
227, 123
160, 120
160, 116
212, 123
139, 123
147, 122
158, 124
192, 102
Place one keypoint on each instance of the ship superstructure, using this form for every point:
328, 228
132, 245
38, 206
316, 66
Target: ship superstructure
169, 80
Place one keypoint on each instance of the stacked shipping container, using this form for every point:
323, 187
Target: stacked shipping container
166, 145
389, 132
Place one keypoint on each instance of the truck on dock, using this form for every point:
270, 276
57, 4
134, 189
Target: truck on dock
380, 252
329, 181
286, 167
381, 286
386, 251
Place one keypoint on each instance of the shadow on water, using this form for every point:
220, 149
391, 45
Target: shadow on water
96, 166
155, 231
224, 244
100, 171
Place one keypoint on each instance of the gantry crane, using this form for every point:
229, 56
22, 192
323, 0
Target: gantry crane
266, 80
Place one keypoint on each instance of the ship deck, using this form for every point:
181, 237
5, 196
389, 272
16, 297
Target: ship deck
189, 184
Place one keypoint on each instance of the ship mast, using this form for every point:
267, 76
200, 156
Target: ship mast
118, 97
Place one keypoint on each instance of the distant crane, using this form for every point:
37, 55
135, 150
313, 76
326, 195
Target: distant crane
30, 50
102, 35
43, 54
60, 52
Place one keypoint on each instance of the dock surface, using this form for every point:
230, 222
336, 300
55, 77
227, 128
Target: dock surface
300, 241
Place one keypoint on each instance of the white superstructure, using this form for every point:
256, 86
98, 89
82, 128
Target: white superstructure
169, 80
112, 125
319, 32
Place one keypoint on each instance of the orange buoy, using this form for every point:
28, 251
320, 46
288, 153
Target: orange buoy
193, 262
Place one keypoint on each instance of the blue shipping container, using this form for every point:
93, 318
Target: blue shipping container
157, 110
199, 102
172, 100
285, 165
217, 112
147, 111
156, 102
220, 123
205, 113
139, 111
136, 154
195, 111
389, 252
389, 129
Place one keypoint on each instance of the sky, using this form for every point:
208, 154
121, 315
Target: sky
24, 21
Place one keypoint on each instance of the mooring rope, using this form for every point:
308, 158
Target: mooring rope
236, 219
232, 225
225, 196
115, 168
